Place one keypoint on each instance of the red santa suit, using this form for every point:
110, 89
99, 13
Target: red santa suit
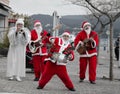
54, 67
40, 54
90, 56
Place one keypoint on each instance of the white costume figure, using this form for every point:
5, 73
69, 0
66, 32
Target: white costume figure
18, 36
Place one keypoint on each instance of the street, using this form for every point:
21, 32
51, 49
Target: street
55, 86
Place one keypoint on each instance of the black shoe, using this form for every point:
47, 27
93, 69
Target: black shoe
72, 89
92, 82
81, 80
39, 87
36, 79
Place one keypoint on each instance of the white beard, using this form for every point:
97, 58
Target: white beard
65, 41
88, 30
39, 29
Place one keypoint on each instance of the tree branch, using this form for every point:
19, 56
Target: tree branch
95, 7
116, 16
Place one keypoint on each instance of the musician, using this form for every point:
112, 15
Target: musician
18, 36
89, 57
39, 37
57, 67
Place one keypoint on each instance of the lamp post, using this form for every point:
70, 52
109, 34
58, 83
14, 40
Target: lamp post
55, 22
108, 41
119, 52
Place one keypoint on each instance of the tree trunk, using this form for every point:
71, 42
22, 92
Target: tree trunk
111, 51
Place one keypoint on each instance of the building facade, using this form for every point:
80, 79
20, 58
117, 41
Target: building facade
4, 14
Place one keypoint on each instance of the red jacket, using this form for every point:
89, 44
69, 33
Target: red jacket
34, 36
59, 47
81, 36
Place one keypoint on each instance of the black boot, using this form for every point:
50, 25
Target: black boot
92, 82
36, 79
72, 89
39, 87
81, 80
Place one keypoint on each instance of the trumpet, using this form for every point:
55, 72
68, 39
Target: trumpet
34, 45
21, 30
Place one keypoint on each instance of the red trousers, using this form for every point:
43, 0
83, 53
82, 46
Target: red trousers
38, 65
92, 62
52, 69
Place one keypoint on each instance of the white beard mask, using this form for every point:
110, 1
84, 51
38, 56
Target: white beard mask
39, 29
88, 30
65, 41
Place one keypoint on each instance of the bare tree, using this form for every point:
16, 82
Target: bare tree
110, 9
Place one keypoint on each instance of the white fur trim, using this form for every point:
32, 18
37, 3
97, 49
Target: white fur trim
53, 61
35, 54
46, 59
39, 37
62, 48
72, 56
88, 55
59, 42
40, 50
61, 63
20, 21
87, 23
43, 54
79, 43
37, 23
65, 33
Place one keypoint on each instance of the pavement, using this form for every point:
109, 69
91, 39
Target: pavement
55, 86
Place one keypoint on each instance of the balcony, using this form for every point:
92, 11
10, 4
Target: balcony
5, 2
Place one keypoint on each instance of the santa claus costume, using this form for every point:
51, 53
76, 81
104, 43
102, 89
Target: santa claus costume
37, 34
89, 57
55, 66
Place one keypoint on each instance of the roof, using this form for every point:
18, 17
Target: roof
5, 7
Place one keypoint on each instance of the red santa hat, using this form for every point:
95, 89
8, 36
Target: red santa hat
85, 23
66, 33
37, 22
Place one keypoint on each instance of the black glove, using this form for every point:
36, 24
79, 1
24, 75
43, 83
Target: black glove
16, 33
48, 34
23, 34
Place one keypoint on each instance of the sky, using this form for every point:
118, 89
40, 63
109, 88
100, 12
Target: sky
31, 7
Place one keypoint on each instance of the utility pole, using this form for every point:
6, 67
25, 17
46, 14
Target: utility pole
119, 52
55, 23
